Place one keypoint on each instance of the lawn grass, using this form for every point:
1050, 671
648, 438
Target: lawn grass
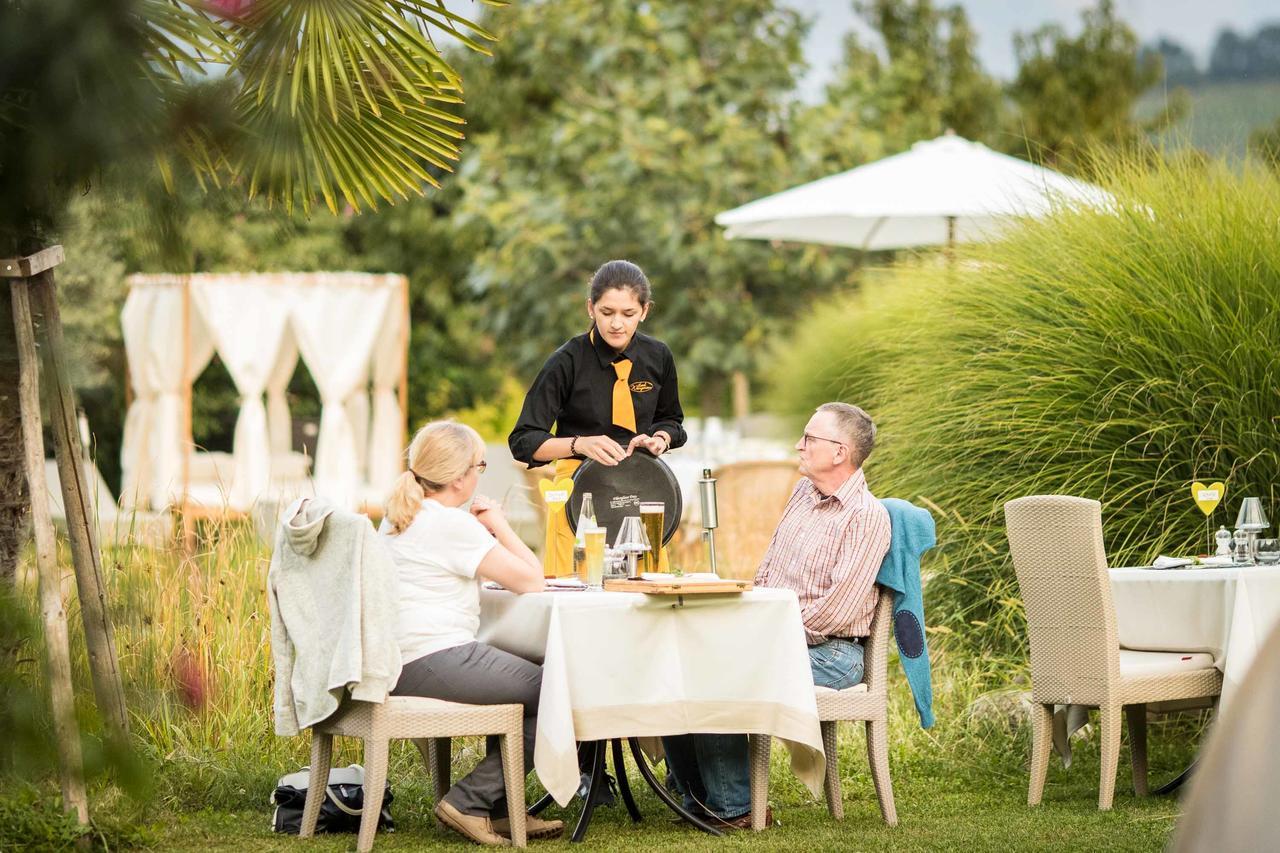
946, 802
193, 641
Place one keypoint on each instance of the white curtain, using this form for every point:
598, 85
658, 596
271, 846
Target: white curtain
386, 433
358, 413
151, 455
279, 421
247, 317
337, 323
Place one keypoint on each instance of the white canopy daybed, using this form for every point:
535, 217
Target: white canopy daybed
350, 329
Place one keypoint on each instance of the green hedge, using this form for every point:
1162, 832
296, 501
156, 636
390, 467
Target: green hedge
1116, 356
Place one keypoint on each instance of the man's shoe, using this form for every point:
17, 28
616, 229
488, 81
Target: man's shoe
534, 827
477, 828
742, 821
605, 797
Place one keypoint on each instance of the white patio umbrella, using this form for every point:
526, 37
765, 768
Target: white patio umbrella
946, 190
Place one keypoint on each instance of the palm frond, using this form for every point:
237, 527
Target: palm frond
341, 99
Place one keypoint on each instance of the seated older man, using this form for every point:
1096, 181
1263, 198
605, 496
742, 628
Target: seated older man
827, 548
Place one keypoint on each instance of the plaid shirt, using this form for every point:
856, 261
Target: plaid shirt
828, 550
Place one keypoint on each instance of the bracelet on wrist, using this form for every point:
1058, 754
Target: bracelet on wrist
573, 444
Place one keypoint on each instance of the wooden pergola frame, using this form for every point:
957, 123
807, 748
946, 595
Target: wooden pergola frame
190, 512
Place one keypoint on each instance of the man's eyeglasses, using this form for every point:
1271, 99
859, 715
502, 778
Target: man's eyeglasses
804, 441
482, 465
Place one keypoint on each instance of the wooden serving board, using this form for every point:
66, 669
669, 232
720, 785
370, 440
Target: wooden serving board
675, 587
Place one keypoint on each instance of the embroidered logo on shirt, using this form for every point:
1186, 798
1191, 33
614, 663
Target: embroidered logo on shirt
641, 387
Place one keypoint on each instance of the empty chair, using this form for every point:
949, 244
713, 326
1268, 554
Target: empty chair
750, 497
1076, 659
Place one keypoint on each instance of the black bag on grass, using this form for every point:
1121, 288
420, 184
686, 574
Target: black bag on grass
341, 809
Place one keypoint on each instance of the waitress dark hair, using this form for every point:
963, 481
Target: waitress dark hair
622, 275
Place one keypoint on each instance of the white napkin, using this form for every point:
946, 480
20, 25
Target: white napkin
1163, 562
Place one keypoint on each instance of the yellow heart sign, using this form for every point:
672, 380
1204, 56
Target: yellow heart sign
1208, 497
556, 491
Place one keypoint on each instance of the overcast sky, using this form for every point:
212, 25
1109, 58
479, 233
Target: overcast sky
1194, 23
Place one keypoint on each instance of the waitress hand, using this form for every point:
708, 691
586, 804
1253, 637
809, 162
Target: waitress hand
488, 512
655, 444
601, 448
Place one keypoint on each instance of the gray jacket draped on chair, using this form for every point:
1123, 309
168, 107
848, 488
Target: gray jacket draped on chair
332, 594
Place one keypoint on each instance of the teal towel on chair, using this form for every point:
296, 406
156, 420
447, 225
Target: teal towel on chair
913, 534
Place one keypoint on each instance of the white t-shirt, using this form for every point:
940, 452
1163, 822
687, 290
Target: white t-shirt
436, 559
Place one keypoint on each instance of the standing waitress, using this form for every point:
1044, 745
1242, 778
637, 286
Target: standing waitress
607, 391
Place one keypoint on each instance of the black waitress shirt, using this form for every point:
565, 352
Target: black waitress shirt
574, 392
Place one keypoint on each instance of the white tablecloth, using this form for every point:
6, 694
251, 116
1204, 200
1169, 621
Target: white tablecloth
627, 664
1226, 612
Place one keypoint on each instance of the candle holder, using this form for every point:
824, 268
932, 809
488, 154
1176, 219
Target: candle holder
1252, 520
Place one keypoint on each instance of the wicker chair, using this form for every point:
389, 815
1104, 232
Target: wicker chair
1076, 659
750, 497
430, 723
869, 702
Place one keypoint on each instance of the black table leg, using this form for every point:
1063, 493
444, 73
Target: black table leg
624, 787
664, 794
593, 790
1177, 782
540, 806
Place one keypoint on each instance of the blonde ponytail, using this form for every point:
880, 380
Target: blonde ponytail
441, 452
404, 501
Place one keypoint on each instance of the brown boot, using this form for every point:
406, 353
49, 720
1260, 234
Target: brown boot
477, 828
534, 827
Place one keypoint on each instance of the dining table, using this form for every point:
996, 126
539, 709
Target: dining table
634, 666
1224, 611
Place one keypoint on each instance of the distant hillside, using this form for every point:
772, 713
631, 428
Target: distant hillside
1222, 115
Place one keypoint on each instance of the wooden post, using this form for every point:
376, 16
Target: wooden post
188, 438
82, 529
404, 360
57, 645
741, 397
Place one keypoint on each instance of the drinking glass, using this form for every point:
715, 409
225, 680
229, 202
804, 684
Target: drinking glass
1269, 551
594, 562
632, 542
653, 513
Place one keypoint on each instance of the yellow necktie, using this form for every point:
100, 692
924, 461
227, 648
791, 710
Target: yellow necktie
624, 412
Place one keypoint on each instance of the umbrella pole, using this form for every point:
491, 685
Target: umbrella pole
950, 251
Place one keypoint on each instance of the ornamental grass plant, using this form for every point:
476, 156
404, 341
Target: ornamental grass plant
1118, 355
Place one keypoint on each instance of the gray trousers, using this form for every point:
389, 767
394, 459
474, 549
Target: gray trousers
479, 674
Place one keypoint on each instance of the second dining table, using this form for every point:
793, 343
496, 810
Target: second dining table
626, 665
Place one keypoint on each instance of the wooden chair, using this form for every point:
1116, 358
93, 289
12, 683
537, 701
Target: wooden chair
1076, 659
430, 723
750, 497
867, 702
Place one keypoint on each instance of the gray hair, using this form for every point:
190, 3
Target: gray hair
856, 427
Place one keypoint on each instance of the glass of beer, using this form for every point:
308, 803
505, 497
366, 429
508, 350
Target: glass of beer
652, 515
593, 564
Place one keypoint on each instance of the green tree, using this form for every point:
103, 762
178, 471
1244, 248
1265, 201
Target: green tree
925, 79
616, 129
342, 102
1074, 93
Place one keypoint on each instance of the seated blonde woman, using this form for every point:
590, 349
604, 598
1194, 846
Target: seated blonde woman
442, 551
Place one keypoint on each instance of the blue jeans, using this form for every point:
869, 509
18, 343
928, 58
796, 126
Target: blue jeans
712, 772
